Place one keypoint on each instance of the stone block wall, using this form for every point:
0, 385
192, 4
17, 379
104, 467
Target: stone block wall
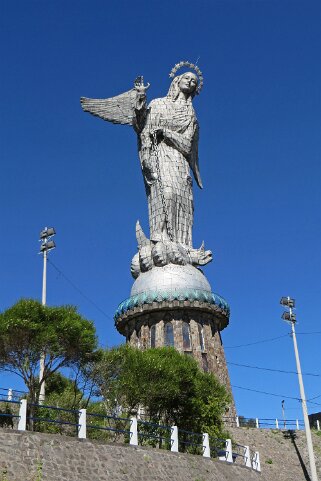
59, 458
22, 455
205, 343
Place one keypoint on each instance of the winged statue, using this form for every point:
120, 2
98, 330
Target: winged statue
168, 134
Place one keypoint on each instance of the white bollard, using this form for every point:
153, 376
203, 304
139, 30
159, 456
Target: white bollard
318, 425
174, 439
256, 465
10, 394
297, 424
277, 424
82, 428
257, 422
228, 452
237, 422
247, 457
133, 440
22, 424
206, 446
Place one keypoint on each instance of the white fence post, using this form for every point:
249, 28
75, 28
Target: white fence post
22, 424
297, 424
237, 422
82, 428
257, 422
228, 452
174, 439
133, 439
206, 446
10, 394
256, 465
247, 457
318, 425
277, 424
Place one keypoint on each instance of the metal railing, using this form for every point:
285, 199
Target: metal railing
38, 417
269, 423
238, 421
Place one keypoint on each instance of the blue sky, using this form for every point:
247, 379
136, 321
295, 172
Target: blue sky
260, 144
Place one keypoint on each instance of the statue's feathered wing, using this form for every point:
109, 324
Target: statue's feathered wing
193, 160
118, 110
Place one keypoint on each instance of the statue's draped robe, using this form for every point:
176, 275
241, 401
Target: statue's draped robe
176, 153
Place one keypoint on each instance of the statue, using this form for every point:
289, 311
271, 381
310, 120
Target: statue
167, 132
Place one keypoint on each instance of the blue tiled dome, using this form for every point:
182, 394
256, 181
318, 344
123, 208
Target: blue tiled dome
185, 294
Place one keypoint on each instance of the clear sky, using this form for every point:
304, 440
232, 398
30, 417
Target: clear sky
260, 144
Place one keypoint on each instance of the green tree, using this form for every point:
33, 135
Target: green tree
61, 392
28, 328
170, 387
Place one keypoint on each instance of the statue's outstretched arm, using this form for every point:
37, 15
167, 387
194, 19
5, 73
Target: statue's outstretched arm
141, 104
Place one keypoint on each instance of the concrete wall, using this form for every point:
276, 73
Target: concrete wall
69, 459
283, 454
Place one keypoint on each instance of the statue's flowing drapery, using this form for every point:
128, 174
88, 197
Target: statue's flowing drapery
178, 123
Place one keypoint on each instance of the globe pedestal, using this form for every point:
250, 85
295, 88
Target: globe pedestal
174, 306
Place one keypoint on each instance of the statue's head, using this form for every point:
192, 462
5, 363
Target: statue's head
189, 83
186, 83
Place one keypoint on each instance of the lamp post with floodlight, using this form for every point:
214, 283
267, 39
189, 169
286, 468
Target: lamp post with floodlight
47, 244
289, 316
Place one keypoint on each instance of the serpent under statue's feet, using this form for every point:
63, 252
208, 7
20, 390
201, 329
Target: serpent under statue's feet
159, 254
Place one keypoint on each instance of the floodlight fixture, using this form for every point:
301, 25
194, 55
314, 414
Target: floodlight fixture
288, 302
289, 316
47, 246
47, 232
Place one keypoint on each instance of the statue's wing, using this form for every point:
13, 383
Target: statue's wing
194, 157
118, 110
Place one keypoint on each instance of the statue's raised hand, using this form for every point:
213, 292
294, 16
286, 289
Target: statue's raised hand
140, 87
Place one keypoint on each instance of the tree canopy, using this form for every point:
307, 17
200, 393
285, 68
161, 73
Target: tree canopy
28, 329
169, 386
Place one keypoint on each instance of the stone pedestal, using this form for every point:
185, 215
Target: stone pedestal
174, 306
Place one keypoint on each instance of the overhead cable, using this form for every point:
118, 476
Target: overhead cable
257, 342
77, 289
272, 370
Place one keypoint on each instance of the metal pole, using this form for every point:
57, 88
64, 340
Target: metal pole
283, 415
44, 279
314, 476
43, 355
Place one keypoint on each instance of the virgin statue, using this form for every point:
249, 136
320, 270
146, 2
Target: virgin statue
167, 131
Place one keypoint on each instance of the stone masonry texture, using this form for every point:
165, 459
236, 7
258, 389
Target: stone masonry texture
210, 350
283, 454
69, 459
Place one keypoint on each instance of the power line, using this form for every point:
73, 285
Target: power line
312, 332
272, 370
273, 394
257, 342
310, 402
267, 393
78, 290
270, 339
315, 397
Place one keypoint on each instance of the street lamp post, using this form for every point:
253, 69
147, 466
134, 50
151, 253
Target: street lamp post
290, 317
46, 245
283, 414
